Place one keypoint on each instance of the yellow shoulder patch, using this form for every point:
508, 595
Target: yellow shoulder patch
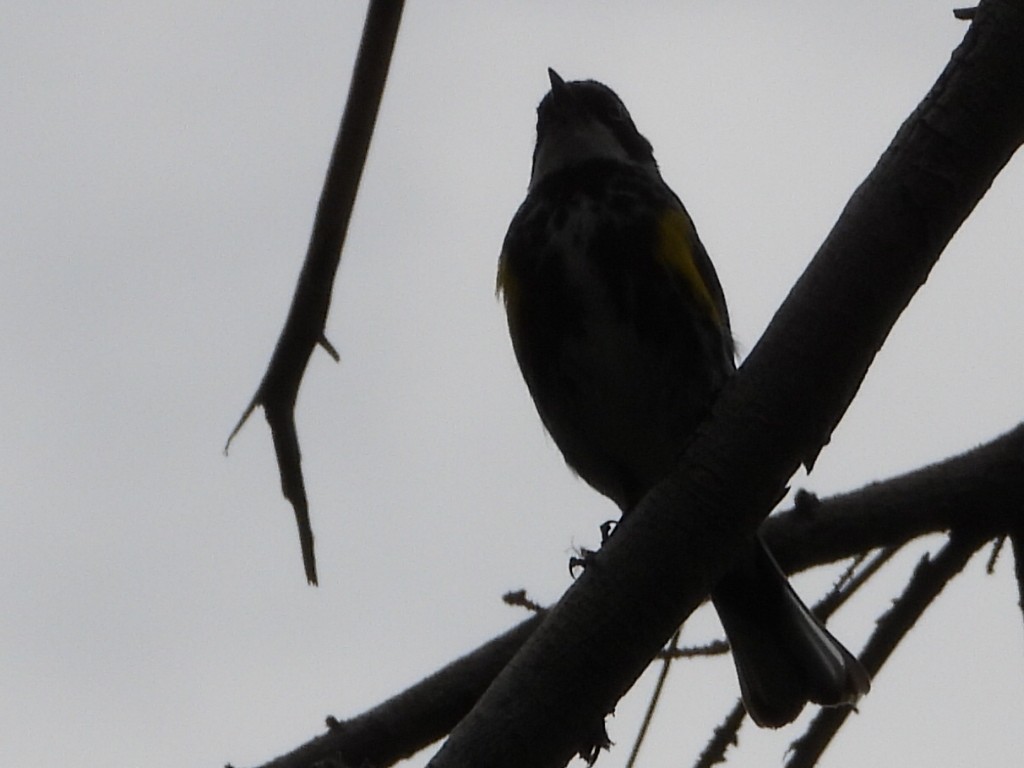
675, 251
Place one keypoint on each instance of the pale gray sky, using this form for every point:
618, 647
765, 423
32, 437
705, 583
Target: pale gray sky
160, 169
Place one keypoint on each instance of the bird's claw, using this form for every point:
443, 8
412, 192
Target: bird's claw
582, 561
607, 529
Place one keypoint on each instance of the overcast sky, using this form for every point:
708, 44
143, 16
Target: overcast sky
161, 165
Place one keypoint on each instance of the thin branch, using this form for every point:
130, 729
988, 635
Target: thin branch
993, 558
666, 663
848, 586
927, 581
520, 599
726, 735
850, 573
1017, 539
307, 316
714, 648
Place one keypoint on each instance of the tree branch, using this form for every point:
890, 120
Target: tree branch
724, 736
981, 489
667, 657
304, 328
778, 412
415, 718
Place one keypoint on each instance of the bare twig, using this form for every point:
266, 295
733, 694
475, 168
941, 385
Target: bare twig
1017, 538
714, 648
520, 599
725, 736
847, 586
666, 662
850, 572
304, 328
993, 558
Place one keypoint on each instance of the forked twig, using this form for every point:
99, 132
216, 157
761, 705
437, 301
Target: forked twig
304, 328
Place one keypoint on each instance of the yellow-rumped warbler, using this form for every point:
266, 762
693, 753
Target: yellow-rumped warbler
621, 331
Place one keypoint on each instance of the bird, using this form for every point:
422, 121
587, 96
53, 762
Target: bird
620, 328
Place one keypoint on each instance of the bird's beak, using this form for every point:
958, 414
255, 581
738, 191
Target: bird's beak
557, 83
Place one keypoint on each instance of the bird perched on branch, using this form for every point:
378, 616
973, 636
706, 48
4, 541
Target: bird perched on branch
620, 328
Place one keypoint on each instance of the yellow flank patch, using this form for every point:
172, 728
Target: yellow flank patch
675, 250
506, 284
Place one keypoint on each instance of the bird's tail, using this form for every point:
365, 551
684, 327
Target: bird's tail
784, 656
